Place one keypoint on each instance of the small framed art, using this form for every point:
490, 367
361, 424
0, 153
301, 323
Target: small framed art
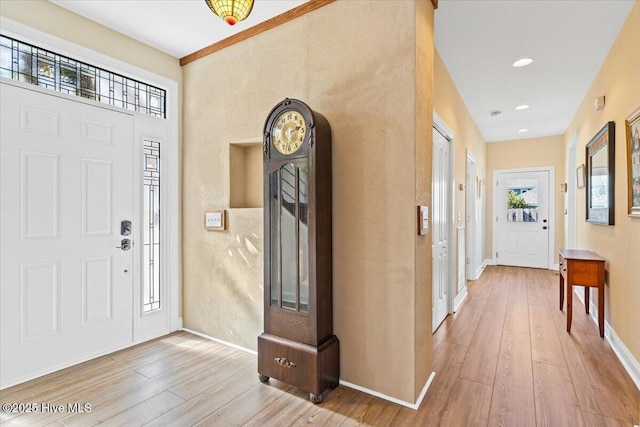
632, 128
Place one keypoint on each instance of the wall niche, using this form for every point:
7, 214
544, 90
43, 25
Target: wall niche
245, 170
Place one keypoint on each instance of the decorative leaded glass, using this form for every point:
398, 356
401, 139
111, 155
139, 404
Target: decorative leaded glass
27, 63
151, 226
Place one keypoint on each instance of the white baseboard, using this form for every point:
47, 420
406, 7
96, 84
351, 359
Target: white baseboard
413, 406
176, 324
459, 299
488, 261
480, 270
631, 365
228, 344
482, 266
555, 267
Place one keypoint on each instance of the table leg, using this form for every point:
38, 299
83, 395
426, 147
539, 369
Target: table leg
569, 305
601, 309
587, 294
561, 291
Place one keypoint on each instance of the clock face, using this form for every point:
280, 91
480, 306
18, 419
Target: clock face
288, 132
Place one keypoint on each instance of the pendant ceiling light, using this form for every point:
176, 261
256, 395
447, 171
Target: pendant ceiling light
232, 11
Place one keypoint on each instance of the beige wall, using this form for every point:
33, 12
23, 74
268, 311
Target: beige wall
528, 153
618, 80
424, 82
356, 63
451, 108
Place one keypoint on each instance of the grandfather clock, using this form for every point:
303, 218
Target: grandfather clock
298, 346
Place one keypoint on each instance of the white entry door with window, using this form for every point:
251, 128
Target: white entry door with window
66, 269
521, 207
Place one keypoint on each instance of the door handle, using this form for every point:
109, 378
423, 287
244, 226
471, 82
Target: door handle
125, 245
544, 227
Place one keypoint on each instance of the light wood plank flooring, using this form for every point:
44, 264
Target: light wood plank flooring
504, 359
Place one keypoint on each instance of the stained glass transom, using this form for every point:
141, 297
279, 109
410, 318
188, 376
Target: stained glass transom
30, 64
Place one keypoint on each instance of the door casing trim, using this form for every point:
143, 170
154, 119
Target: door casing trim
440, 125
172, 238
552, 211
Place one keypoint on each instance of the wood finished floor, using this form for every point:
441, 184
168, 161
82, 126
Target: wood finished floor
504, 359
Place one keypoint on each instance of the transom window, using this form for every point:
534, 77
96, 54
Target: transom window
30, 64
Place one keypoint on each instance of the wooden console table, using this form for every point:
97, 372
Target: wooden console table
582, 268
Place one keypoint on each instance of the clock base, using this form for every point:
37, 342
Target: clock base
312, 369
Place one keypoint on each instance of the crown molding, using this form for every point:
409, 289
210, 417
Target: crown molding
257, 29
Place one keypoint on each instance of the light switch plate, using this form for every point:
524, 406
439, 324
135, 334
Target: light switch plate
423, 220
215, 220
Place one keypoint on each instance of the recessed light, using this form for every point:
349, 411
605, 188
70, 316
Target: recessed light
522, 62
523, 130
522, 107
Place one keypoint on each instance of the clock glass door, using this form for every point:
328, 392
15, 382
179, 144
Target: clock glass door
289, 237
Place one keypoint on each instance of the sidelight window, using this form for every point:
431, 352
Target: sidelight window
151, 227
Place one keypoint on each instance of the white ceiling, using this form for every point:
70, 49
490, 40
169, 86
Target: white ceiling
478, 41
177, 27
568, 40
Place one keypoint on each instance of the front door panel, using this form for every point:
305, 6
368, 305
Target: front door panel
523, 219
67, 175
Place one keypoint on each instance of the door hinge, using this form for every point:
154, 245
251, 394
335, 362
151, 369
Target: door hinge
496, 254
496, 183
468, 261
496, 219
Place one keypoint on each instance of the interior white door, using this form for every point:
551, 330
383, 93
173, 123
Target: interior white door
66, 181
523, 219
440, 219
470, 217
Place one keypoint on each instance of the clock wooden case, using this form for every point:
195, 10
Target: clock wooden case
298, 346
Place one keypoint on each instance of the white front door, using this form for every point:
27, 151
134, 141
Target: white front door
522, 212
67, 183
440, 201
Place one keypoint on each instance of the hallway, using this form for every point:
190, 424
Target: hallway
506, 359
503, 359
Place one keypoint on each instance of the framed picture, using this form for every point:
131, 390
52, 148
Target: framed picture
215, 220
580, 176
632, 127
600, 176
